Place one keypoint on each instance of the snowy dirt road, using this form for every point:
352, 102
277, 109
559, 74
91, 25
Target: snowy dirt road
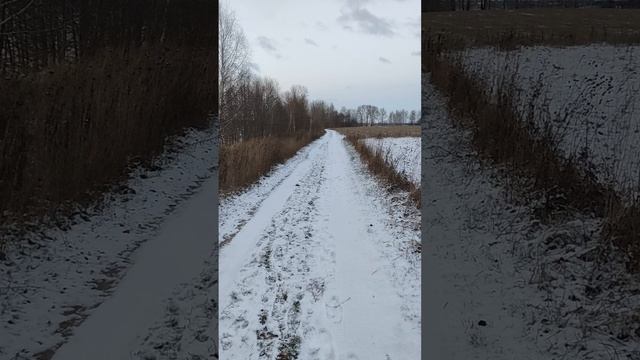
132, 277
324, 267
178, 254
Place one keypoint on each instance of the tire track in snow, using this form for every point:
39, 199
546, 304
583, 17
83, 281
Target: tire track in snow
367, 313
174, 257
237, 209
271, 315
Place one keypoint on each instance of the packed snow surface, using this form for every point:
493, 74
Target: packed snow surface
402, 152
325, 267
590, 95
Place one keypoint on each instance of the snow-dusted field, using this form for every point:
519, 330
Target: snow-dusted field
104, 281
590, 95
403, 152
508, 285
319, 267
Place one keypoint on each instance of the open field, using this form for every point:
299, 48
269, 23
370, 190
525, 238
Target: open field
381, 131
565, 117
507, 28
402, 152
587, 96
583, 102
391, 153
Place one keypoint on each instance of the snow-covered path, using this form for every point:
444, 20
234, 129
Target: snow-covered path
321, 270
130, 277
175, 256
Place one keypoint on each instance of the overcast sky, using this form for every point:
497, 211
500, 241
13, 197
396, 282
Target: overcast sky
348, 52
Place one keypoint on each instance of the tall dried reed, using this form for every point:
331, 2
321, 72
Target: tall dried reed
67, 131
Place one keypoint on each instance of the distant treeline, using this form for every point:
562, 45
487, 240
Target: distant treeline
86, 86
257, 108
373, 115
253, 106
453, 5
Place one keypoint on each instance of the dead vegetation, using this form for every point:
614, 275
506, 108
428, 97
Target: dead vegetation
381, 131
508, 137
244, 162
89, 89
379, 163
526, 27
504, 138
72, 129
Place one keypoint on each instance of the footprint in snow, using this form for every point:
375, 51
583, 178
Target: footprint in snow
334, 309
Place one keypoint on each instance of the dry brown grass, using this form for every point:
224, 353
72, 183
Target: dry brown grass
242, 163
509, 28
68, 131
502, 136
381, 131
531, 156
379, 164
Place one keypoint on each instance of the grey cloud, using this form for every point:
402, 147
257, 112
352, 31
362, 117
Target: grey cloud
365, 20
310, 42
384, 60
415, 53
269, 45
321, 26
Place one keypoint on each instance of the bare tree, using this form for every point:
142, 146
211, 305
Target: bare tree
233, 59
412, 117
297, 106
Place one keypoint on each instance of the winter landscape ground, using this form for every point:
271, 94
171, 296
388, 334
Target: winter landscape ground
588, 95
310, 252
307, 254
531, 138
131, 278
511, 286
